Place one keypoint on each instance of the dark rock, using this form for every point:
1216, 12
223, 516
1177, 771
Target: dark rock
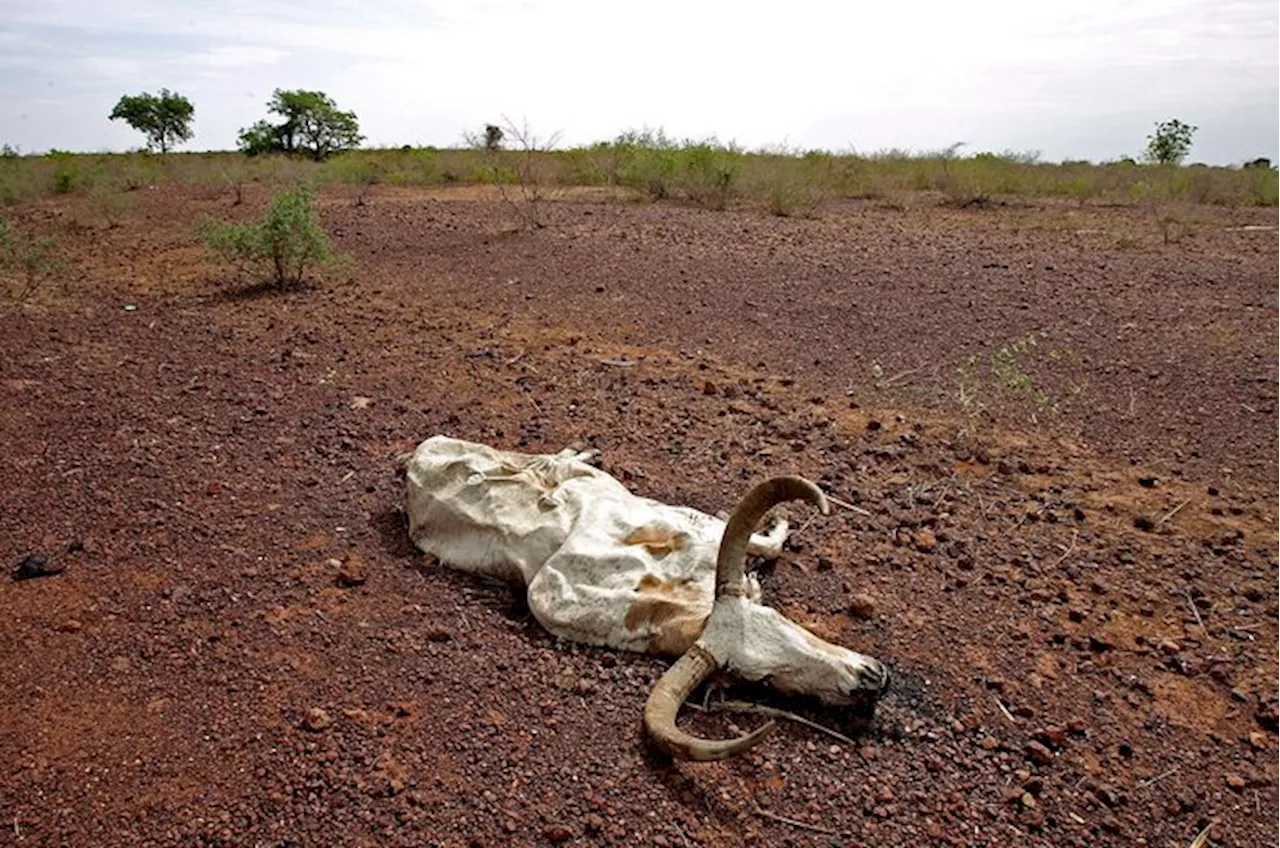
1038, 754
36, 566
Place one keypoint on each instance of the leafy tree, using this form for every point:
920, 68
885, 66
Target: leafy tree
164, 118
262, 137
313, 125
1170, 143
493, 136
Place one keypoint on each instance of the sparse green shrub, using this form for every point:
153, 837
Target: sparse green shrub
1264, 187
644, 160
790, 187
282, 247
64, 181
707, 172
26, 262
359, 170
107, 201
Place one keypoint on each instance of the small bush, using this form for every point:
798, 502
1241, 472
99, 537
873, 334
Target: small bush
64, 181
26, 262
708, 173
109, 202
280, 248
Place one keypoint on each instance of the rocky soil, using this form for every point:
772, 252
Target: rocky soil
1063, 430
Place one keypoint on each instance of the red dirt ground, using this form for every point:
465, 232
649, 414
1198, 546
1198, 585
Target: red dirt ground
1011, 393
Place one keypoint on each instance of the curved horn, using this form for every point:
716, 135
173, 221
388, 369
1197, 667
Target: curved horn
668, 694
732, 559
696, 665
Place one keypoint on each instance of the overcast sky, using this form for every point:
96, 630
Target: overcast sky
1081, 79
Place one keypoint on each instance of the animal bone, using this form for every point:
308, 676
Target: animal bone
603, 566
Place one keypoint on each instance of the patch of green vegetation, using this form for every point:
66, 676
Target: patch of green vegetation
1009, 369
281, 249
27, 262
705, 172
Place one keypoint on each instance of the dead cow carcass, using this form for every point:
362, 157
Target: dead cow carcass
606, 567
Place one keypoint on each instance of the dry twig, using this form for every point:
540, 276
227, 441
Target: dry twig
794, 823
774, 712
848, 506
1074, 535
1152, 781
1171, 513
1194, 611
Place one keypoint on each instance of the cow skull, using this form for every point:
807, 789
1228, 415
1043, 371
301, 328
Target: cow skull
603, 566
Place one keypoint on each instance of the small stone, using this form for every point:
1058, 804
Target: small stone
1258, 739
1076, 726
351, 571
35, 565
1028, 802
71, 625
1268, 715
1236, 782
316, 720
708, 388
1053, 736
558, 834
862, 606
1168, 646
926, 541
989, 743
1038, 754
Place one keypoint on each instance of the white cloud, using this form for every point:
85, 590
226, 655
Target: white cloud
235, 56
1085, 79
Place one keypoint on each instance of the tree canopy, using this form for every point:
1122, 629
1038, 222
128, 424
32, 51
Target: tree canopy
313, 125
164, 118
1170, 143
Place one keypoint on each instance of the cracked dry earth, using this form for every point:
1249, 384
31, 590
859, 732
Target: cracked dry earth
1063, 431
